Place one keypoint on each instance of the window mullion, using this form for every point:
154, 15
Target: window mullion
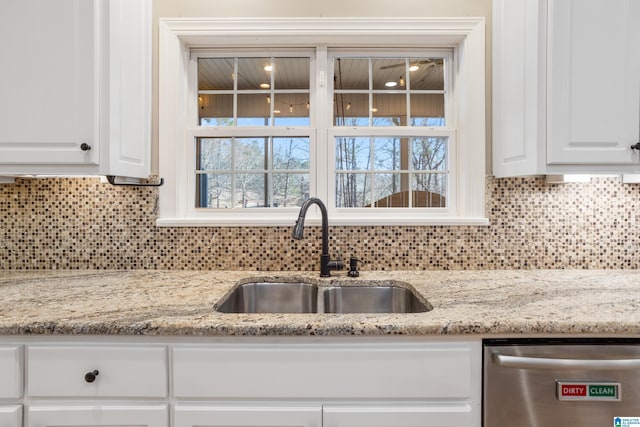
235, 91
371, 106
407, 80
322, 170
234, 201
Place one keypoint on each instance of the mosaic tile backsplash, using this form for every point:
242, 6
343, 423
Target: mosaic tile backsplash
82, 223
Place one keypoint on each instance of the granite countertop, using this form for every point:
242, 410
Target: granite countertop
602, 302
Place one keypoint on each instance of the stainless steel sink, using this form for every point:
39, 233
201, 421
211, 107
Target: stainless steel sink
268, 297
302, 297
371, 299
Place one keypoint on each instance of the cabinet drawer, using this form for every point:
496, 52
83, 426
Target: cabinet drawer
55, 371
10, 372
395, 371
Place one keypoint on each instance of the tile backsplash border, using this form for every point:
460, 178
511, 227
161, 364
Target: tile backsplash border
82, 223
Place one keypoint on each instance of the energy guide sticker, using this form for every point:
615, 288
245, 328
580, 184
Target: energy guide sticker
626, 422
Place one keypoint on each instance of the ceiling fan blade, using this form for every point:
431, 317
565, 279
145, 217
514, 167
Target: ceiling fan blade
401, 64
386, 67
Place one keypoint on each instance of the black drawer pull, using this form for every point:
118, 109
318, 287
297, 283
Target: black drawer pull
91, 376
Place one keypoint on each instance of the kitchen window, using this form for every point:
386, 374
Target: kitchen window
251, 127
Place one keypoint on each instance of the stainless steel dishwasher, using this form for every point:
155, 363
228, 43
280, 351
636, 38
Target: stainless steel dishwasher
561, 382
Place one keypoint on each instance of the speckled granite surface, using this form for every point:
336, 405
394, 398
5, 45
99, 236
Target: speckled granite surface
181, 303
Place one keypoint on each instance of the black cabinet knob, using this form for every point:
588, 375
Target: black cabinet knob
636, 146
91, 376
85, 147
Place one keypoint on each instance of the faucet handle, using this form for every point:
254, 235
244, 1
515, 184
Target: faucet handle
353, 266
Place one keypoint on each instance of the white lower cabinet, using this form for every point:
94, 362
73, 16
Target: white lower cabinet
11, 416
279, 382
97, 416
340, 384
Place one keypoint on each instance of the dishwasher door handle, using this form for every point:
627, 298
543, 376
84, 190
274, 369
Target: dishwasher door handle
522, 362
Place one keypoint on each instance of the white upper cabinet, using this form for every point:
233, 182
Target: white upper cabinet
75, 85
566, 86
594, 81
48, 82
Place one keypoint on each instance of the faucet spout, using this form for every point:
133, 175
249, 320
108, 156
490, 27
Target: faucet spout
326, 265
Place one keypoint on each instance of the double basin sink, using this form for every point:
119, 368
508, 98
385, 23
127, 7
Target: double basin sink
299, 296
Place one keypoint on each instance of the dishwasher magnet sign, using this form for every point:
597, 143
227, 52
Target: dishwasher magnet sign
573, 390
626, 422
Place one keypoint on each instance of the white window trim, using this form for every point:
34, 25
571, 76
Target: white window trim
178, 35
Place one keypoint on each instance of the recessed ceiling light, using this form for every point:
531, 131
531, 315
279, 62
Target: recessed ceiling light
414, 67
391, 84
268, 67
265, 85
374, 110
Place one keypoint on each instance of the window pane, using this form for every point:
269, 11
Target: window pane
389, 110
290, 190
214, 154
421, 177
353, 153
257, 84
351, 109
291, 73
215, 110
382, 90
213, 191
215, 73
389, 73
351, 73
353, 190
250, 153
387, 191
425, 108
292, 109
291, 153
253, 110
252, 73
250, 190
430, 190
429, 74
239, 173
387, 152
429, 154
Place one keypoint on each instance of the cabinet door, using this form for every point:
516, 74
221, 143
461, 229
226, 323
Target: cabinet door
398, 416
247, 416
48, 82
11, 416
593, 89
11, 372
128, 129
97, 416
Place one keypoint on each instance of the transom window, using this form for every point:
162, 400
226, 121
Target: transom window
257, 117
